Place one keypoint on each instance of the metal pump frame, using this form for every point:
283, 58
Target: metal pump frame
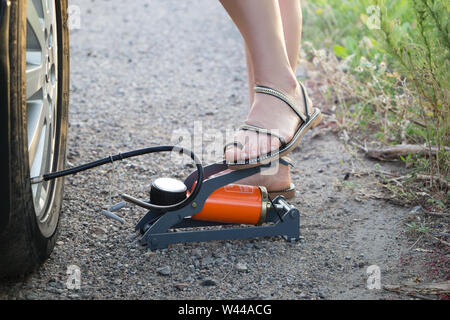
282, 219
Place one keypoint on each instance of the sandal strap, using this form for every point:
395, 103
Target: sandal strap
306, 100
286, 161
251, 127
234, 144
280, 95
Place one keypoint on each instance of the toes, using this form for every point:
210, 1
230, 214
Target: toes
232, 154
273, 143
264, 144
258, 145
254, 145
247, 140
253, 148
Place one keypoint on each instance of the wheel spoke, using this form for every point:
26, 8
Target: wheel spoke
38, 163
47, 139
40, 190
36, 24
48, 12
35, 79
36, 114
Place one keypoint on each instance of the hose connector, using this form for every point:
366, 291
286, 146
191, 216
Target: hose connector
36, 180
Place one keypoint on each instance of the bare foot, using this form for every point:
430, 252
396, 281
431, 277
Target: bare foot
271, 113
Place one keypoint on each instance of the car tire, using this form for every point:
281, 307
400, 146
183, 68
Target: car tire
26, 237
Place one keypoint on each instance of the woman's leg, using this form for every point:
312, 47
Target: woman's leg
291, 16
261, 26
292, 19
250, 76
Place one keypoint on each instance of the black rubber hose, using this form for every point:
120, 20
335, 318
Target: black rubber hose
135, 153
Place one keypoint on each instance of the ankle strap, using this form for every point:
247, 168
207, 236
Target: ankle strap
286, 161
305, 99
280, 95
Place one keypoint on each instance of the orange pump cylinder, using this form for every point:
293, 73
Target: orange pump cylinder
236, 204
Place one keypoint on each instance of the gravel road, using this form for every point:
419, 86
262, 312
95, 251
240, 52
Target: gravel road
140, 71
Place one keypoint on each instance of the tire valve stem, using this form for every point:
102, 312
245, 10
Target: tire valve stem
36, 180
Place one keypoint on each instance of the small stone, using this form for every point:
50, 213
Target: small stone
207, 261
164, 271
196, 253
132, 236
218, 254
209, 282
149, 253
60, 243
99, 233
416, 209
181, 286
241, 267
348, 258
118, 281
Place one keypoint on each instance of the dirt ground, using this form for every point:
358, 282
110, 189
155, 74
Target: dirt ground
142, 70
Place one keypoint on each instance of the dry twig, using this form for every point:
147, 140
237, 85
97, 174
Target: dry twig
420, 288
402, 150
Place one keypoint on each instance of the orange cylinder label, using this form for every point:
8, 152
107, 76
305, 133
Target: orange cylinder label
233, 204
238, 188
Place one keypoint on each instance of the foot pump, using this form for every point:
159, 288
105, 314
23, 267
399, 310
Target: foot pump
206, 206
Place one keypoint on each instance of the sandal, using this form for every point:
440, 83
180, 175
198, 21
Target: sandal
309, 122
288, 193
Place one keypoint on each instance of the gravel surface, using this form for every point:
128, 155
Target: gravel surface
141, 71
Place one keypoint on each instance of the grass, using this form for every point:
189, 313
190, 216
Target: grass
383, 68
386, 67
420, 228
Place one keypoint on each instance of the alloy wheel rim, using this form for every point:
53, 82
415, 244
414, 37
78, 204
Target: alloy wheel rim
41, 96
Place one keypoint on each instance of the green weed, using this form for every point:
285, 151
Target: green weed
387, 65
